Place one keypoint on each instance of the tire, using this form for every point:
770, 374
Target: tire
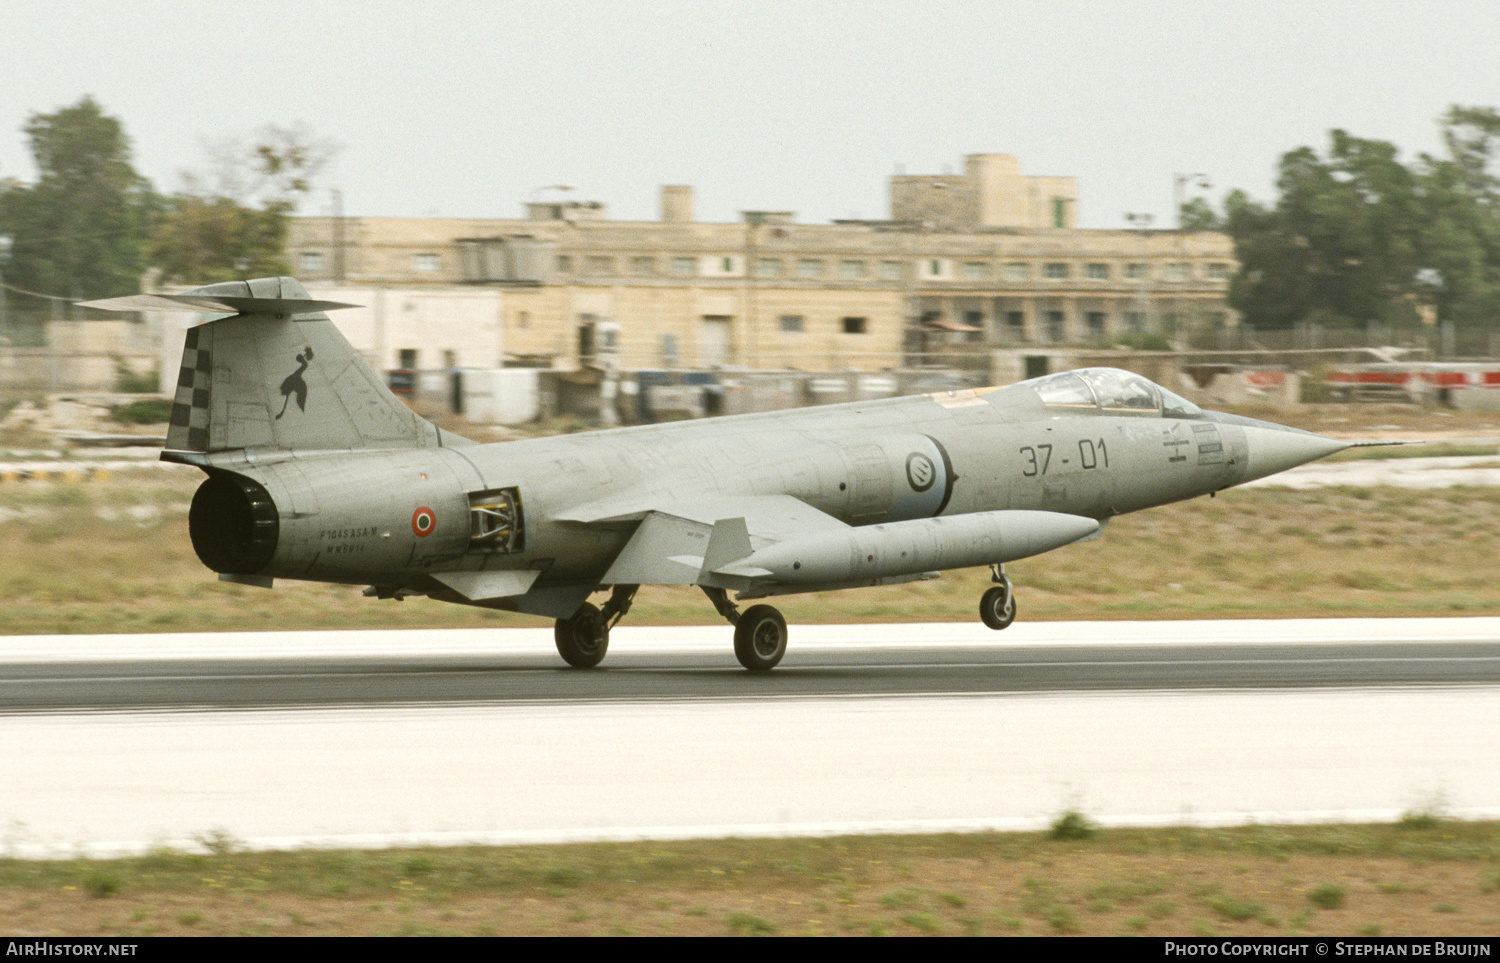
583, 639
998, 608
760, 638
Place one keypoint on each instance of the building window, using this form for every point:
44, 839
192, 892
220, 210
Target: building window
1095, 321
1135, 321
1059, 212
1056, 326
311, 262
408, 359
726, 265
1137, 272
792, 323
1016, 272
1218, 271
856, 325
1016, 322
976, 270
1097, 272
564, 263
599, 264
669, 350
685, 266
851, 269
643, 266
1055, 270
427, 262
768, 267
935, 268
810, 268
1176, 271
890, 270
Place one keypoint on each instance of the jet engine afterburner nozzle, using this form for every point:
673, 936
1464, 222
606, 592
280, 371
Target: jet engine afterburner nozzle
233, 524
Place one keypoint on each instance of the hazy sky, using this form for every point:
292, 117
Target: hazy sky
466, 109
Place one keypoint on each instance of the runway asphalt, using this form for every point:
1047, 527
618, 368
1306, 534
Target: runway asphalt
645, 663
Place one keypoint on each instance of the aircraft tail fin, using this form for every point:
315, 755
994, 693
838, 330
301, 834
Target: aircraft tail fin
276, 374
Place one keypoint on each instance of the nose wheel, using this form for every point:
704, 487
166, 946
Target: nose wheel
997, 607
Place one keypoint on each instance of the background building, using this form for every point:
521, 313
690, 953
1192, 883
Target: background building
968, 262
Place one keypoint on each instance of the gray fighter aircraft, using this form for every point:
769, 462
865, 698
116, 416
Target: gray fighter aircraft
316, 471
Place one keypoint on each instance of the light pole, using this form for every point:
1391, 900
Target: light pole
1142, 221
6, 243
1180, 185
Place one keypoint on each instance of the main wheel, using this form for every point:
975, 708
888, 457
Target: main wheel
583, 639
998, 607
760, 638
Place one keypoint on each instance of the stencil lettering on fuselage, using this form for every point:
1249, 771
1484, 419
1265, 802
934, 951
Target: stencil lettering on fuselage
1210, 445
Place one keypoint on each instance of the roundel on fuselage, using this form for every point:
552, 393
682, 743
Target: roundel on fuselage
928, 482
921, 472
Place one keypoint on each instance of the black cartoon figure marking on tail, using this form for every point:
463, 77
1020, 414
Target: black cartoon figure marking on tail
295, 383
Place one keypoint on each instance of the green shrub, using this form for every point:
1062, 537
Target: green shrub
147, 411
1072, 825
1326, 896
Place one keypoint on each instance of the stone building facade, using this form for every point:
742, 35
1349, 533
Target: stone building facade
985, 258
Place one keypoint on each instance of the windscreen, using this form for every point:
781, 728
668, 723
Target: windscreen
1117, 390
1108, 389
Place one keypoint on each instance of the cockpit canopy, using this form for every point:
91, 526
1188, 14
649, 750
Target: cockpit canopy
1112, 391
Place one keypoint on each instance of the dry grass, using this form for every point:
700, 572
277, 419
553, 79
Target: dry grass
115, 557
1258, 881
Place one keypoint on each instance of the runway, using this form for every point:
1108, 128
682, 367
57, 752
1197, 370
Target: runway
695, 662
350, 739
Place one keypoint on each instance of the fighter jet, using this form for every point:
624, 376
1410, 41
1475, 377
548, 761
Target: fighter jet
315, 471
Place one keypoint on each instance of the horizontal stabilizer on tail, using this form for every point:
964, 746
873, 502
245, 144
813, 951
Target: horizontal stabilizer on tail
225, 304
275, 374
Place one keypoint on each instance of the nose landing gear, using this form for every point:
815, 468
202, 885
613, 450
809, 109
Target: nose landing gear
997, 607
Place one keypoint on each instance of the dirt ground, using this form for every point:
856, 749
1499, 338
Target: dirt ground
1063, 893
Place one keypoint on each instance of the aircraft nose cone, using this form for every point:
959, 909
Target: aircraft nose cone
1275, 449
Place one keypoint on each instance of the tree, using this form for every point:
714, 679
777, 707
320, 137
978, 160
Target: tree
1357, 236
202, 240
232, 221
80, 230
1198, 215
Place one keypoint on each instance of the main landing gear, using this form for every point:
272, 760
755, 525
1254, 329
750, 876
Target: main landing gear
759, 631
583, 639
997, 607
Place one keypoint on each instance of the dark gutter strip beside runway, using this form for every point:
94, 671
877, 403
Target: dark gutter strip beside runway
694, 675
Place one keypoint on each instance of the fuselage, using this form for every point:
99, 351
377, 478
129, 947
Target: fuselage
1096, 443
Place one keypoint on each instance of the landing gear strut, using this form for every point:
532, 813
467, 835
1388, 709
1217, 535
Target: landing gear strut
759, 631
583, 639
998, 606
